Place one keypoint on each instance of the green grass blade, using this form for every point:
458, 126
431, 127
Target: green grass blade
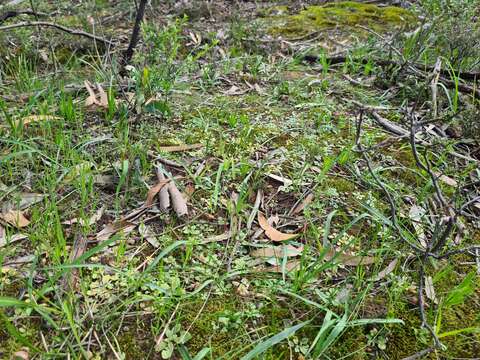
265, 345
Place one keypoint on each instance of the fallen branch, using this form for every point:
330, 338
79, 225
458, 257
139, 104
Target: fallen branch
417, 69
58, 27
12, 13
340, 59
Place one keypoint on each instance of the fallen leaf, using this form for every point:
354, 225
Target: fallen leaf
148, 235
429, 289
387, 270
447, 180
300, 207
178, 148
15, 218
477, 205
179, 203
289, 266
103, 98
114, 227
163, 196
37, 118
283, 180
92, 220
349, 259
25, 200
92, 98
13, 238
234, 90
271, 232
218, 238
100, 100
277, 251
78, 249
153, 191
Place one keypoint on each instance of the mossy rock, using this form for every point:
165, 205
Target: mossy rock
342, 15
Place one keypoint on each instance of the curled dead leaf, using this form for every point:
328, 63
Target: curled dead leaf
100, 100
271, 232
163, 196
179, 203
153, 191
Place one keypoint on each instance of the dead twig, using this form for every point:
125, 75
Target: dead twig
12, 13
58, 27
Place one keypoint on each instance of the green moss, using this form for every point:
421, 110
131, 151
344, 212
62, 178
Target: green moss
340, 184
344, 15
201, 326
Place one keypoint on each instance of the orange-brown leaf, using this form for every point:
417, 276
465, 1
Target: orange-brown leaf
271, 232
15, 218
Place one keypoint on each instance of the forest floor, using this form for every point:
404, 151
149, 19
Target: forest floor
282, 145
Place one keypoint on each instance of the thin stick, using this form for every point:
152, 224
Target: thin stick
58, 27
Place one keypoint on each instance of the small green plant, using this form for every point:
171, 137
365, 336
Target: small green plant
173, 338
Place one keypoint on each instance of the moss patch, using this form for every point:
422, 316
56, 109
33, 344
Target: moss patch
342, 15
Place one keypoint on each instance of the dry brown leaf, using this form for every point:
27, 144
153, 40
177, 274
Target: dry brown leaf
78, 249
447, 180
163, 196
112, 228
153, 191
300, 207
92, 98
234, 90
218, 238
103, 98
277, 251
349, 259
179, 203
100, 100
178, 148
271, 232
15, 218
387, 270
37, 118
289, 266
